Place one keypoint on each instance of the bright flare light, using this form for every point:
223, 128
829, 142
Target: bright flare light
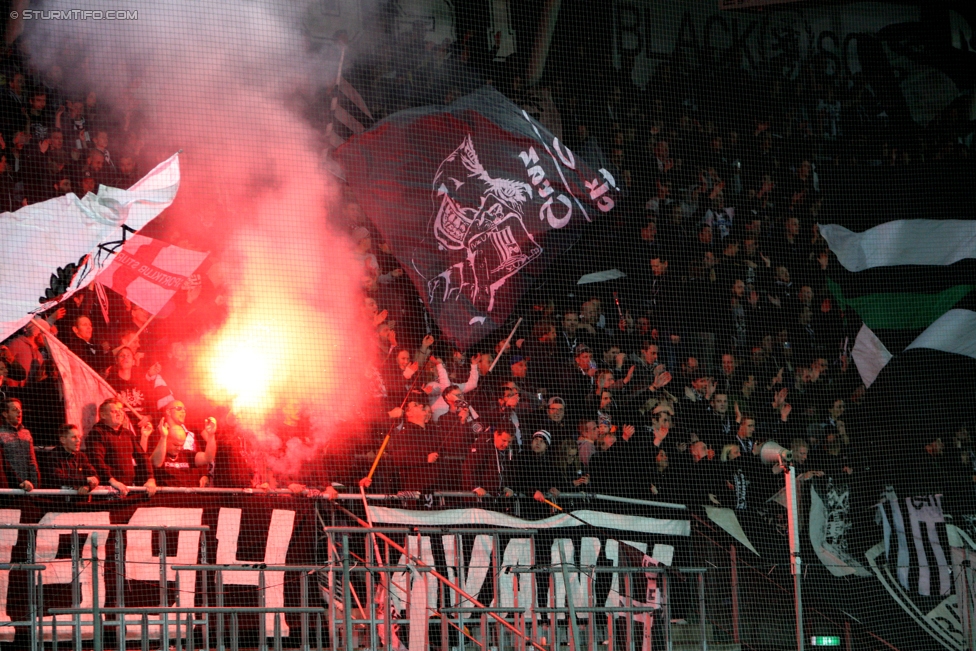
242, 369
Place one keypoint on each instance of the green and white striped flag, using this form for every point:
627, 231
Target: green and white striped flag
900, 277
912, 283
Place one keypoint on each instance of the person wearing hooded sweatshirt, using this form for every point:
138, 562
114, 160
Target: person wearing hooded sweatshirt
537, 473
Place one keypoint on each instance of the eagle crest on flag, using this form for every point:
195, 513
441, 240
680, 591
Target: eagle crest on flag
479, 220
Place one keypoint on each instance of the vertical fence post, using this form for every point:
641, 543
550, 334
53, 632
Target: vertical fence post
795, 562
666, 610
205, 586
304, 604
702, 624
573, 630
120, 584
163, 590
262, 617
76, 584
96, 617
734, 581
219, 588
346, 601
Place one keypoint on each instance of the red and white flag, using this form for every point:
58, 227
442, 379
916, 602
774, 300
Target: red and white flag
148, 272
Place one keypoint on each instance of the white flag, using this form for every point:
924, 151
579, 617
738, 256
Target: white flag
84, 389
51, 249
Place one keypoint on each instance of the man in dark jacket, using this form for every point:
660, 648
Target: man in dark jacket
67, 466
414, 450
18, 448
116, 453
490, 466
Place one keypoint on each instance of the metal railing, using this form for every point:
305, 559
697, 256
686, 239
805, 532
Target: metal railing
360, 601
164, 621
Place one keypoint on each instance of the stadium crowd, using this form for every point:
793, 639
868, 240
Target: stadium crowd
659, 386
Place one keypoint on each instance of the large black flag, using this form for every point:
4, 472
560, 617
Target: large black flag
475, 199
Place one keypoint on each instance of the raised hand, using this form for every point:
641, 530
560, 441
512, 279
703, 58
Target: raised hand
661, 380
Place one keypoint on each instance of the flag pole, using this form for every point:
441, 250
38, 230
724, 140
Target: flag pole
504, 346
389, 433
561, 509
443, 579
143, 326
116, 350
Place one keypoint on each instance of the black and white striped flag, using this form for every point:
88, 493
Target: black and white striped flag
348, 114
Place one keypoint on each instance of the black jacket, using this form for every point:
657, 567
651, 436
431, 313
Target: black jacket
537, 472
61, 469
489, 468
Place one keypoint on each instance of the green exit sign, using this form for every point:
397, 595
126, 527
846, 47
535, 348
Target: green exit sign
825, 640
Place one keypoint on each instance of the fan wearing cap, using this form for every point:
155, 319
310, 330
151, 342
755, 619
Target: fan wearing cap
537, 474
414, 447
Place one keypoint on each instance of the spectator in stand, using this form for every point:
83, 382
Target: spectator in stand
594, 323
18, 448
728, 378
100, 144
96, 169
490, 466
53, 160
127, 174
439, 390
133, 388
538, 475
75, 123
415, 450
117, 455
571, 336
718, 425
701, 472
579, 381
568, 464
11, 195
589, 432
554, 421
39, 118
507, 409
174, 465
80, 340
67, 466
26, 351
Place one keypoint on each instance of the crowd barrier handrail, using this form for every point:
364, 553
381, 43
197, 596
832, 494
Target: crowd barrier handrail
110, 493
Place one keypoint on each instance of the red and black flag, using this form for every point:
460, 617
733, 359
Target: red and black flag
475, 199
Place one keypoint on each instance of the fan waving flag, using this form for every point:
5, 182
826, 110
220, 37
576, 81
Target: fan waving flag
911, 282
900, 277
53, 248
148, 272
475, 199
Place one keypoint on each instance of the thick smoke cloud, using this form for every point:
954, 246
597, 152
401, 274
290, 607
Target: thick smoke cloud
225, 82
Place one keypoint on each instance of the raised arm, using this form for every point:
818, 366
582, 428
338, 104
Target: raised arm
209, 435
159, 454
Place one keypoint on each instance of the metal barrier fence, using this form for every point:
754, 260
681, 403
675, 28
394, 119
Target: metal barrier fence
359, 603
169, 621
349, 578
